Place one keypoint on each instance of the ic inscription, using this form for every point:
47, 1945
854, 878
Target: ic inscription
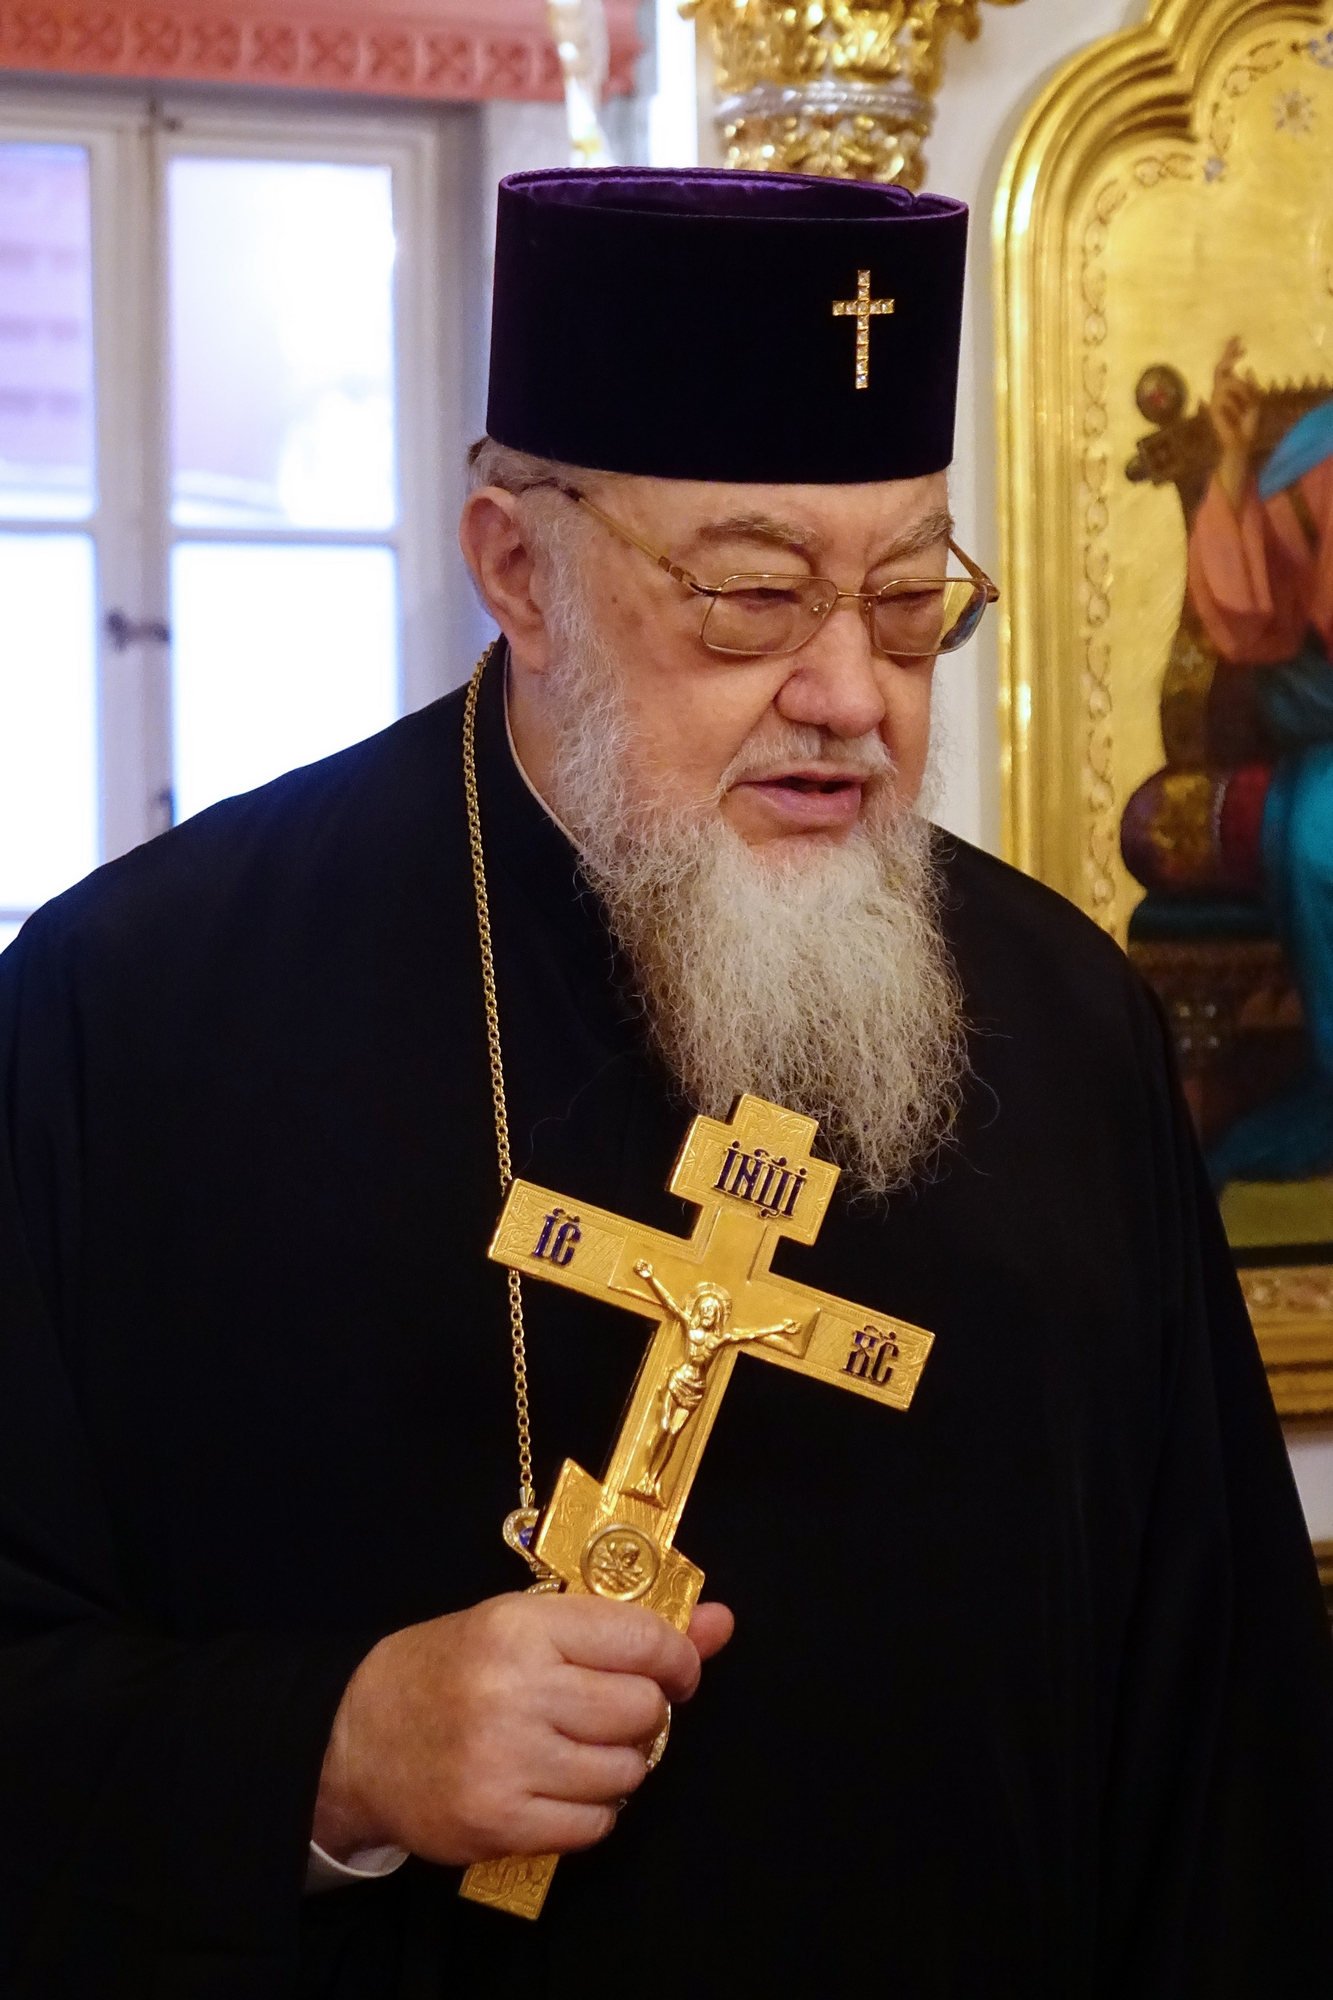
560, 1237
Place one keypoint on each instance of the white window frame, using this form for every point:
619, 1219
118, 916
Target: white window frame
131, 136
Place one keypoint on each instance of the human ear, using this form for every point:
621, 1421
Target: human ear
504, 565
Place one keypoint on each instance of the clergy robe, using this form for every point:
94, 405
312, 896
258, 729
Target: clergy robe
1030, 1696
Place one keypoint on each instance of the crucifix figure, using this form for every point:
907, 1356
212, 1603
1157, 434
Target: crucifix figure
754, 1180
862, 309
704, 1324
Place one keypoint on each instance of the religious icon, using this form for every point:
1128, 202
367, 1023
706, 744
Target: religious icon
1168, 257
754, 1181
1233, 838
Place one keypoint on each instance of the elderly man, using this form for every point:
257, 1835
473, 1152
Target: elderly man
1029, 1691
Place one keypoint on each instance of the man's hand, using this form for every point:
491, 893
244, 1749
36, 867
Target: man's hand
1235, 414
518, 1727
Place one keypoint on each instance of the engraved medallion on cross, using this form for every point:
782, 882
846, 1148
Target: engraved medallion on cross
714, 1297
862, 309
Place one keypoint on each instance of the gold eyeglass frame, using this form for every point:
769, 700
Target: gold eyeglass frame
867, 599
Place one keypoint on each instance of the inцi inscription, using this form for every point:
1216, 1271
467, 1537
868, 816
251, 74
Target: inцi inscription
771, 1184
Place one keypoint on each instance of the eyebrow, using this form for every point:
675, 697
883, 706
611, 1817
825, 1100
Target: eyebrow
759, 528
928, 533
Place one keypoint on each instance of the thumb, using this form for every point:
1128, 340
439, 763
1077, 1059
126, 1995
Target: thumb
710, 1628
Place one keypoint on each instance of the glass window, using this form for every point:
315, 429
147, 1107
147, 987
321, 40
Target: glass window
282, 344
280, 655
48, 718
46, 349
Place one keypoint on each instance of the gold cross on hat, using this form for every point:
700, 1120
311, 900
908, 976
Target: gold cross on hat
755, 1181
862, 309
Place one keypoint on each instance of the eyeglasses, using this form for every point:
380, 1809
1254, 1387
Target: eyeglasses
912, 618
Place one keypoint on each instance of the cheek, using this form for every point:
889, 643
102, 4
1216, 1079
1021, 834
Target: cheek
907, 725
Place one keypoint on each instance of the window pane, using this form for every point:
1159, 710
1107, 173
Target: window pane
46, 346
282, 344
279, 656
48, 717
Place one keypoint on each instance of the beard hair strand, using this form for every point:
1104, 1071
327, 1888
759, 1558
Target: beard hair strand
819, 980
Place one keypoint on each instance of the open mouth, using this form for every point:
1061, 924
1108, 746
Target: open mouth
811, 801
827, 786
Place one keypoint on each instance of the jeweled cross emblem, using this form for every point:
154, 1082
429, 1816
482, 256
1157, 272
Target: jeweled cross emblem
713, 1297
862, 309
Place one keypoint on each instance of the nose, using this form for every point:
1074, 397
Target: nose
836, 682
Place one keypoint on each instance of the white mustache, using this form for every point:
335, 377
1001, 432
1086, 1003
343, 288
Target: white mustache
771, 753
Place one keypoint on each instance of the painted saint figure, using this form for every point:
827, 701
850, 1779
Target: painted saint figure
703, 1321
1261, 578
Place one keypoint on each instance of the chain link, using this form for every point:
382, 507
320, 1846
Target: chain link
526, 1489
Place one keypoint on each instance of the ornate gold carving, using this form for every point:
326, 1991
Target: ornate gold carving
1140, 118
518, 1883
620, 1561
835, 87
434, 49
754, 1180
1259, 61
1094, 592
1138, 196
1292, 1311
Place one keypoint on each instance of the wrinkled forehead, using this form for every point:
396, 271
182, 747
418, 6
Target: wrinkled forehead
869, 521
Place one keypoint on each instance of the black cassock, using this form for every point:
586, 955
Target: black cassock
1030, 1696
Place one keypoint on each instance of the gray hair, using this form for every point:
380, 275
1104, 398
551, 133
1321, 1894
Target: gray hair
517, 472
556, 528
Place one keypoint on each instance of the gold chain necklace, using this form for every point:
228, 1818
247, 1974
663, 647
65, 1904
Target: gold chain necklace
521, 1523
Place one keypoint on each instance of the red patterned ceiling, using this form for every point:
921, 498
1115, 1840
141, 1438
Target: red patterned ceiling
444, 49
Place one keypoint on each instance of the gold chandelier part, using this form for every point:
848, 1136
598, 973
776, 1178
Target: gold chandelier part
833, 87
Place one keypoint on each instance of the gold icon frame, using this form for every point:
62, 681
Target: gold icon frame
1127, 232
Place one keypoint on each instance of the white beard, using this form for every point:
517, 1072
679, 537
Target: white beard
819, 980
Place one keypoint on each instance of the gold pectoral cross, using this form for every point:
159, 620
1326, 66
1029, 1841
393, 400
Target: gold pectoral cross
713, 1295
862, 309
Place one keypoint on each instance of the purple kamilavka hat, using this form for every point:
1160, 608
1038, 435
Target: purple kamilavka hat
728, 326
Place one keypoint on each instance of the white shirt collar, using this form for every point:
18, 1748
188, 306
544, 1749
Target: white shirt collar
518, 765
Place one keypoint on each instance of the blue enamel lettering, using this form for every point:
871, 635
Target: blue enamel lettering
567, 1236
864, 1344
547, 1227
770, 1199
